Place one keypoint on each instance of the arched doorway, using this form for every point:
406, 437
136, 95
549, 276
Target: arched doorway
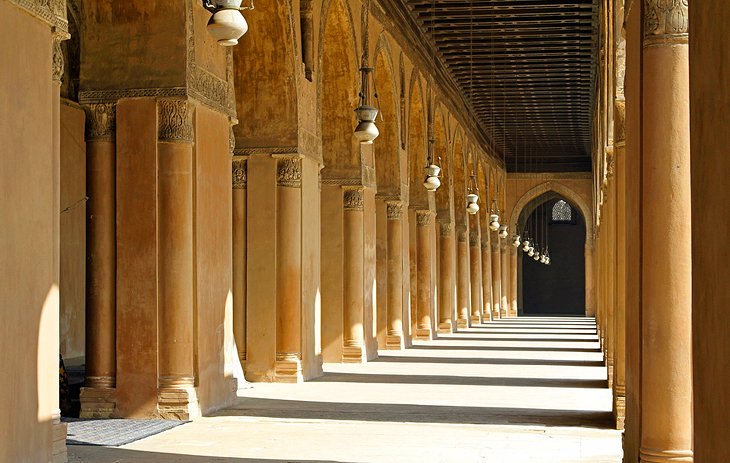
559, 288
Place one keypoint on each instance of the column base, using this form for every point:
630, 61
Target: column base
610, 373
394, 341
353, 354
98, 402
288, 368
177, 403
476, 319
424, 334
665, 456
446, 327
619, 406
59, 453
462, 323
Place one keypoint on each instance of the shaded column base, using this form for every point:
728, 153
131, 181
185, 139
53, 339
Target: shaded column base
394, 341
98, 402
177, 403
59, 453
476, 319
446, 327
424, 334
353, 354
288, 368
665, 456
619, 405
462, 323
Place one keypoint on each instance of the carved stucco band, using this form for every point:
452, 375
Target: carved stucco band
666, 21
424, 218
353, 199
395, 209
446, 228
100, 121
239, 174
175, 121
289, 173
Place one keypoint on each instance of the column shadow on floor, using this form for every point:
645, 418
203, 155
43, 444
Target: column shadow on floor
407, 413
119, 455
506, 348
460, 380
490, 361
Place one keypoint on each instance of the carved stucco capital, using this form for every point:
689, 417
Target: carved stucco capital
424, 218
289, 172
665, 21
354, 199
446, 228
175, 121
474, 238
100, 121
461, 234
394, 209
239, 173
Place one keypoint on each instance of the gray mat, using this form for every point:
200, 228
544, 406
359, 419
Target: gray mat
113, 433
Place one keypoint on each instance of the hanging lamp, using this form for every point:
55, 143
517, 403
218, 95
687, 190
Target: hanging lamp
366, 131
227, 24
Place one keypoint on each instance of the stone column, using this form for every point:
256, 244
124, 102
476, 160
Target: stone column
446, 277
288, 366
394, 334
513, 310
588, 255
666, 433
463, 295
496, 278
610, 296
239, 176
475, 264
504, 255
353, 222
619, 372
424, 256
98, 397
486, 277
176, 380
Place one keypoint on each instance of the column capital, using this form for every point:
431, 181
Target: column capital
239, 174
289, 172
354, 199
424, 218
175, 121
474, 238
394, 209
101, 121
446, 228
461, 233
666, 22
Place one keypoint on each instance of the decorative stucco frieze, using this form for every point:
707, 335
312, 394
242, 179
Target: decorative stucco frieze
239, 174
100, 121
52, 12
289, 172
354, 199
175, 121
665, 20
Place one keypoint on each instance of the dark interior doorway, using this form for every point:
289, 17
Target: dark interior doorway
557, 289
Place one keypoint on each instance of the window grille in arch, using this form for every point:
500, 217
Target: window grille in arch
562, 212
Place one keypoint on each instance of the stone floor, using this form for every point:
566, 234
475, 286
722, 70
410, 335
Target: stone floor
511, 391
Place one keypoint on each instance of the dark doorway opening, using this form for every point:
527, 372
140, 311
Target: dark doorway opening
557, 289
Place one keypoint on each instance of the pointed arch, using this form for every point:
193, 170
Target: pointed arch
387, 162
459, 177
417, 144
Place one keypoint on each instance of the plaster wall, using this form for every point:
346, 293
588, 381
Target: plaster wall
73, 233
29, 201
709, 100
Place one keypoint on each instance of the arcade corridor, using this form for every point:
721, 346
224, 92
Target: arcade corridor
517, 390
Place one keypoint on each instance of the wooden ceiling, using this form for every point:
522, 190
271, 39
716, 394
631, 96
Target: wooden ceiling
526, 67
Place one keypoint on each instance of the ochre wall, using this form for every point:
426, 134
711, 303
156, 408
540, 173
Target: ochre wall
29, 201
73, 233
710, 133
